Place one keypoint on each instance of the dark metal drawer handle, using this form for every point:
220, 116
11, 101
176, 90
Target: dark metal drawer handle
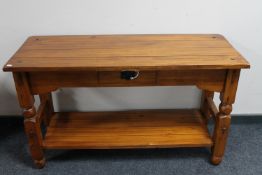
129, 74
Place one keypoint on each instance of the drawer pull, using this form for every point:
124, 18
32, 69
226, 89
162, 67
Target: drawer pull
129, 74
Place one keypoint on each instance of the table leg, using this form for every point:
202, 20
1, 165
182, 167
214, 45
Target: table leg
204, 104
50, 107
223, 118
31, 121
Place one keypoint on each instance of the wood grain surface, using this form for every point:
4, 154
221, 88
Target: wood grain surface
117, 52
131, 129
46, 63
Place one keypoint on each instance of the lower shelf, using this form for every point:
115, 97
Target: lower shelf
132, 129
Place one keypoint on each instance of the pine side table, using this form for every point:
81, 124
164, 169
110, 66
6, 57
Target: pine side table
46, 63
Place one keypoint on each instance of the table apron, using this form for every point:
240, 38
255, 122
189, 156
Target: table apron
207, 79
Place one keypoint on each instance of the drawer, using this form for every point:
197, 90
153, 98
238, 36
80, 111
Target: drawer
127, 78
42, 82
204, 79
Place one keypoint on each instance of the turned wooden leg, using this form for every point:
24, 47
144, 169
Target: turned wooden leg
49, 109
221, 130
223, 118
31, 120
204, 105
33, 132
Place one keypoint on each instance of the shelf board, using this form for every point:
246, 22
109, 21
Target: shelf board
130, 129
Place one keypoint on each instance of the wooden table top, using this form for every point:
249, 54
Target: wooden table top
118, 52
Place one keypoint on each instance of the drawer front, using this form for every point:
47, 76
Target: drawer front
42, 82
127, 78
205, 79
